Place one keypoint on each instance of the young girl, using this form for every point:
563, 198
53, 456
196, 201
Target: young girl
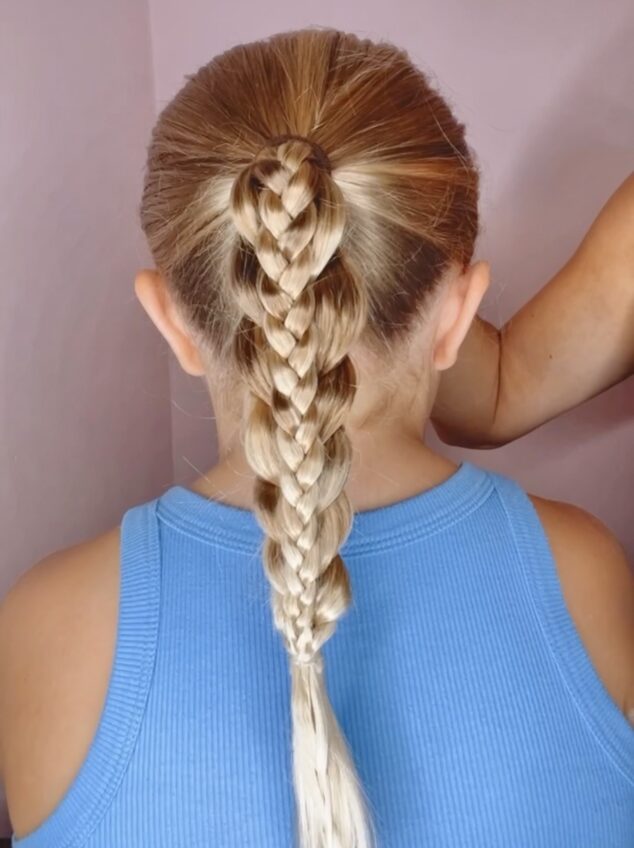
336, 637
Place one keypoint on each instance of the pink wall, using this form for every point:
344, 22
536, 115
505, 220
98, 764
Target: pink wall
91, 422
86, 424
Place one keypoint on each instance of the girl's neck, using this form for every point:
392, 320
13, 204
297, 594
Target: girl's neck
384, 470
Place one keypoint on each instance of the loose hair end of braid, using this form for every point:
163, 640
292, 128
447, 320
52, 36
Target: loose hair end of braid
328, 792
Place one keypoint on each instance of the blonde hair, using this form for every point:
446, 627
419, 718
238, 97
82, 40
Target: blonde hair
302, 192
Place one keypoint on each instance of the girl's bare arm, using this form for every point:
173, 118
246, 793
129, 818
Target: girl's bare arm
571, 341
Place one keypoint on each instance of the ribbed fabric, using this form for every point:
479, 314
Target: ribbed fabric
471, 706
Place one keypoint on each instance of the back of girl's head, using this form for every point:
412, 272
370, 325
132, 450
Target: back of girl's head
303, 193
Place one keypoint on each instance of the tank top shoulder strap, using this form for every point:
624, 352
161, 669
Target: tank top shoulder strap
95, 784
608, 724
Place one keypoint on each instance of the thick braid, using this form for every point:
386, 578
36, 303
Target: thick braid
302, 309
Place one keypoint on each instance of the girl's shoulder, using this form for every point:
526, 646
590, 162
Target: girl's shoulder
58, 626
597, 583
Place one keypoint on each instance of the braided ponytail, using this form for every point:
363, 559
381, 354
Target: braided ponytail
260, 255
301, 309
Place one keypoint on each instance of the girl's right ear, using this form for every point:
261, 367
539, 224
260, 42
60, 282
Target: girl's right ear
153, 294
458, 309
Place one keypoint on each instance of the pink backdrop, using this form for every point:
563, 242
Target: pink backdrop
96, 415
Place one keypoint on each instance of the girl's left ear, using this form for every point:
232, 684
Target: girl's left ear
153, 293
457, 310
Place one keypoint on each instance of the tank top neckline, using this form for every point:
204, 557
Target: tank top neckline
377, 529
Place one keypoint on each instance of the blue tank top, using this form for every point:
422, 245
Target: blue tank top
473, 712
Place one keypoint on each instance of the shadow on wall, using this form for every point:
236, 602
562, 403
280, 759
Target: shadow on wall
578, 154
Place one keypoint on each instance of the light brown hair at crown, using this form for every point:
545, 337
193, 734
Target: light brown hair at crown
302, 193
